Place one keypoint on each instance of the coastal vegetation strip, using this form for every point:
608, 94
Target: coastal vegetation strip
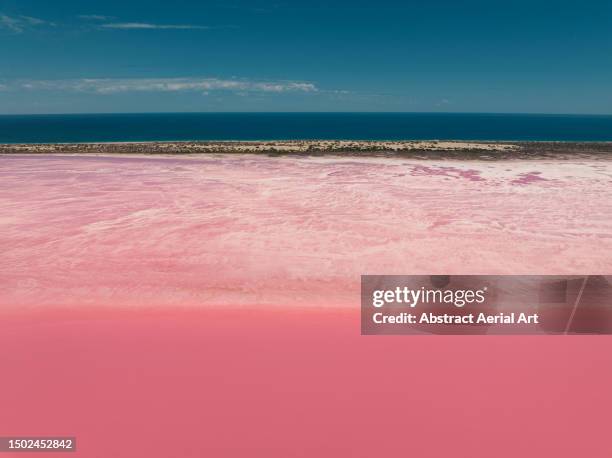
419, 149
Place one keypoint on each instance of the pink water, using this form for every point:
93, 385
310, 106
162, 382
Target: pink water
208, 306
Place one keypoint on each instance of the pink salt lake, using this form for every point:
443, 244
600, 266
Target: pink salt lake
207, 306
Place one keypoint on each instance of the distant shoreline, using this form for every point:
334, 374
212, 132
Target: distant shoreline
433, 149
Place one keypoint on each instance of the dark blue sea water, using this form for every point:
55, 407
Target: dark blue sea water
277, 126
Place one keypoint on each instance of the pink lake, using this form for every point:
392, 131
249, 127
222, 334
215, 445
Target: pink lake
208, 306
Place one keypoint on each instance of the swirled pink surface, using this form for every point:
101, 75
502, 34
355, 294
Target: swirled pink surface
254, 230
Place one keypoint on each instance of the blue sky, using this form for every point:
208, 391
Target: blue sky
67, 56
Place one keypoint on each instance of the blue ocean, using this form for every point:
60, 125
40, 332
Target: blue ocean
279, 126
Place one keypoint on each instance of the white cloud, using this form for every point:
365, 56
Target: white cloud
19, 24
148, 26
94, 17
119, 85
34, 20
11, 23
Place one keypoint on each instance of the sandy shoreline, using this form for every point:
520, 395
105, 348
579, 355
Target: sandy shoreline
412, 149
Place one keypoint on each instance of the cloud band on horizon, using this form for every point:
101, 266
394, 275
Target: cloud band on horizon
148, 26
119, 85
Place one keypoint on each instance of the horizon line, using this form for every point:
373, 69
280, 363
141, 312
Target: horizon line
110, 113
